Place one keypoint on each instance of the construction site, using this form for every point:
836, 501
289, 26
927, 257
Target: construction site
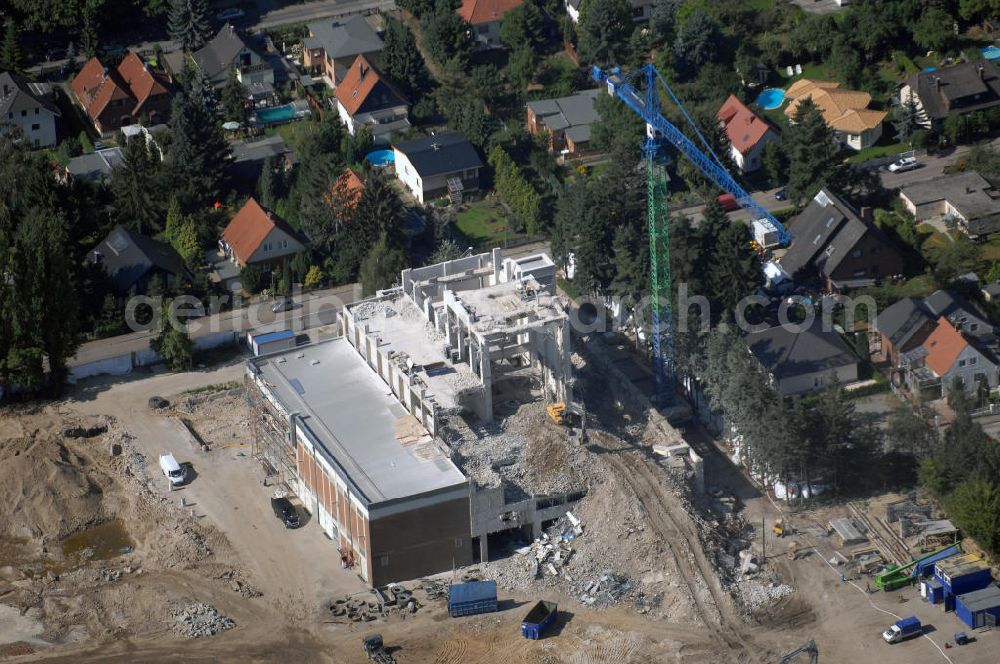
654, 546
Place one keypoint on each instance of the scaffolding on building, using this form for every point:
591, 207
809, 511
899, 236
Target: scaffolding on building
273, 443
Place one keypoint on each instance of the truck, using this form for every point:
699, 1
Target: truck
541, 616
903, 629
467, 599
172, 470
728, 202
375, 649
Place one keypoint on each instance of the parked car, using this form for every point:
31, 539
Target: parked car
780, 195
283, 304
728, 202
230, 14
284, 510
903, 165
173, 470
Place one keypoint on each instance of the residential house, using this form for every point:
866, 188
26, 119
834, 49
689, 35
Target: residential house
438, 165
249, 156
799, 361
748, 134
991, 291
95, 166
350, 186
566, 120
642, 10
229, 49
906, 324
948, 357
968, 199
333, 46
122, 96
256, 236
954, 90
365, 99
131, 260
30, 106
842, 249
484, 18
846, 112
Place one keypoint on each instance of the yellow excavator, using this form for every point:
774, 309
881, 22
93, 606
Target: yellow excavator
562, 414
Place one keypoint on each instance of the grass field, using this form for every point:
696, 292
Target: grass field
484, 222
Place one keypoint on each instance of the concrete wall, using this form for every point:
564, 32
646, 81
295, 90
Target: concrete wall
123, 364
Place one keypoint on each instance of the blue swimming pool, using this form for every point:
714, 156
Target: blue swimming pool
280, 114
381, 157
771, 98
928, 70
990, 52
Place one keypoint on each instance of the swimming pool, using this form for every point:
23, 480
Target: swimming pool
928, 70
771, 98
381, 157
990, 52
280, 114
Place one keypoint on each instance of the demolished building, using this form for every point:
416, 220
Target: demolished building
399, 478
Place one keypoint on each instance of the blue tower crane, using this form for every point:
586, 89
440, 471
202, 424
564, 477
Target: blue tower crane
646, 103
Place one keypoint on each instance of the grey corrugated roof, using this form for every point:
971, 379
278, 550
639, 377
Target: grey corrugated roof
272, 146
563, 112
977, 600
127, 257
975, 197
961, 88
825, 232
342, 39
19, 94
95, 165
351, 415
785, 353
900, 321
440, 154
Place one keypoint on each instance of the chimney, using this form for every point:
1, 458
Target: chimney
6, 89
866, 214
232, 30
104, 74
937, 83
982, 72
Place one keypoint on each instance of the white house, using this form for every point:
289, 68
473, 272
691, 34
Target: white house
29, 106
438, 165
748, 134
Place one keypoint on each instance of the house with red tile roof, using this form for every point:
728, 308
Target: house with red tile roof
484, 17
366, 99
349, 186
948, 356
748, 134
256, 236
120, 96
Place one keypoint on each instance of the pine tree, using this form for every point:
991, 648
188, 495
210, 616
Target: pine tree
234, 99
132, 185
401, 60
199, 149
811, 151
906, 119
735, 271
265, 185
172, 341
11, 55
381, 266
603, 30
188, 23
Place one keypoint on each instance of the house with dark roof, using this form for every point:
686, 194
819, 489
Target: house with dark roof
954, 90
333, 45
950, 357
566, 121
642, 10
131, 260
748, 133
801, 360
121, 96
968, 199
95, 166
249, 157
484, 18
256, 236
30, 106
366, 99
229, 49
905, 325
834, 243
438, 165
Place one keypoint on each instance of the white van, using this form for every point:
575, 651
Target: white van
172, 469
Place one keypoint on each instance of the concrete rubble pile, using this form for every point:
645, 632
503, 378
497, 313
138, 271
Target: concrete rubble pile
755, 594
605, 589
199, 620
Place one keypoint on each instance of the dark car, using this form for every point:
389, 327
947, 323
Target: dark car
284, 510
780, 195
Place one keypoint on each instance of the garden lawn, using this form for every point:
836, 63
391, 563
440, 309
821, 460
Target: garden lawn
485, 222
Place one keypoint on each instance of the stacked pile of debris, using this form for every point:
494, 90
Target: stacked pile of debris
606, 589
198, 620
239, 585
754, 594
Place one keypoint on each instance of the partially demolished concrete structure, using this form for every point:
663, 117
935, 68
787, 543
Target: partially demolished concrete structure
456, 329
